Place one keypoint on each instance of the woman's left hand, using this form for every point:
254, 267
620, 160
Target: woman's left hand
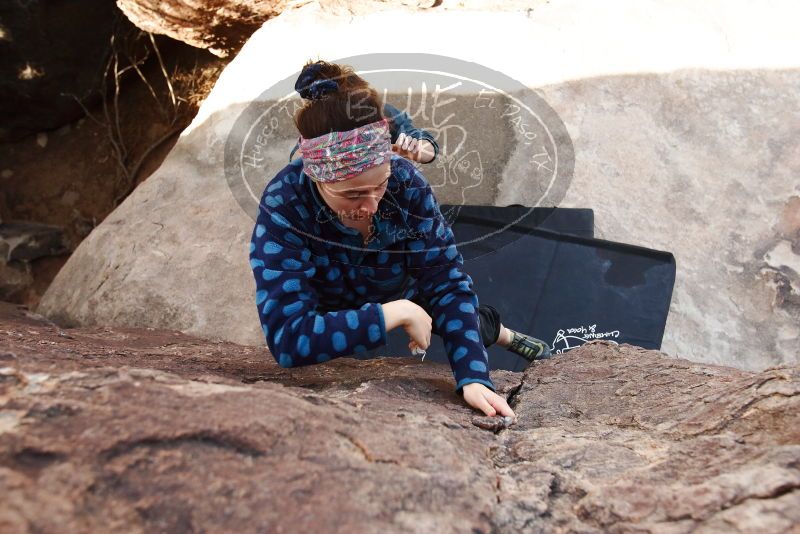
419, 150
479, 396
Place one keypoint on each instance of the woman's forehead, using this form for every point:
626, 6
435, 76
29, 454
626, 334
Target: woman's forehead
366, 180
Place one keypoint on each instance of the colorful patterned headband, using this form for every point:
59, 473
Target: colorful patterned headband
339, 156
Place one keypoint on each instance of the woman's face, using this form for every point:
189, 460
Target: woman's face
357, 198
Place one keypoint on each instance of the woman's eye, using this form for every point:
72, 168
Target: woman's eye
356, 197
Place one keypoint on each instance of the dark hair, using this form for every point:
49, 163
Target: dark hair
336, 100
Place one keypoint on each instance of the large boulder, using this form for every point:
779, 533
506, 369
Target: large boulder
108, 429
684, 145
223, 26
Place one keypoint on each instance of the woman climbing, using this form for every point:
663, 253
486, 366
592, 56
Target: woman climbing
350, 244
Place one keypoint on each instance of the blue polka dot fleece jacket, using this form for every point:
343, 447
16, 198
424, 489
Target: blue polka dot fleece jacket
319, 283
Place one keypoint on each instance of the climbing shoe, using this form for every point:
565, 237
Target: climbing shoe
529, 347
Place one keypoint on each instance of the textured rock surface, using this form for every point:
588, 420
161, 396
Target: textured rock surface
20, 243
140, 430
219, 26
223, 26
26, 241
688, 146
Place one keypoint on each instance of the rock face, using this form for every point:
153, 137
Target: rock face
692, 151
223, 26
217, 26
139, 430
20, 243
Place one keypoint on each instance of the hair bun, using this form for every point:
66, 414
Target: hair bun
311, 88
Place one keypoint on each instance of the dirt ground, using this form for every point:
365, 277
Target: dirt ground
71, 178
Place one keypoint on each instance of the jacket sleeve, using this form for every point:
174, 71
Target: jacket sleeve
403, 124
437, 265
295, 332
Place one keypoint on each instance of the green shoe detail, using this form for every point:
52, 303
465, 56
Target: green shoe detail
529, 347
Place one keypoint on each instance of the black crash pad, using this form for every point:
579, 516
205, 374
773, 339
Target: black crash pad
548, 277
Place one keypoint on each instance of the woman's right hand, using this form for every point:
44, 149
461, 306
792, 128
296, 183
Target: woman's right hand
412, 317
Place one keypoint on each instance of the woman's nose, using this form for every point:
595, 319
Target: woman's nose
370, 203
